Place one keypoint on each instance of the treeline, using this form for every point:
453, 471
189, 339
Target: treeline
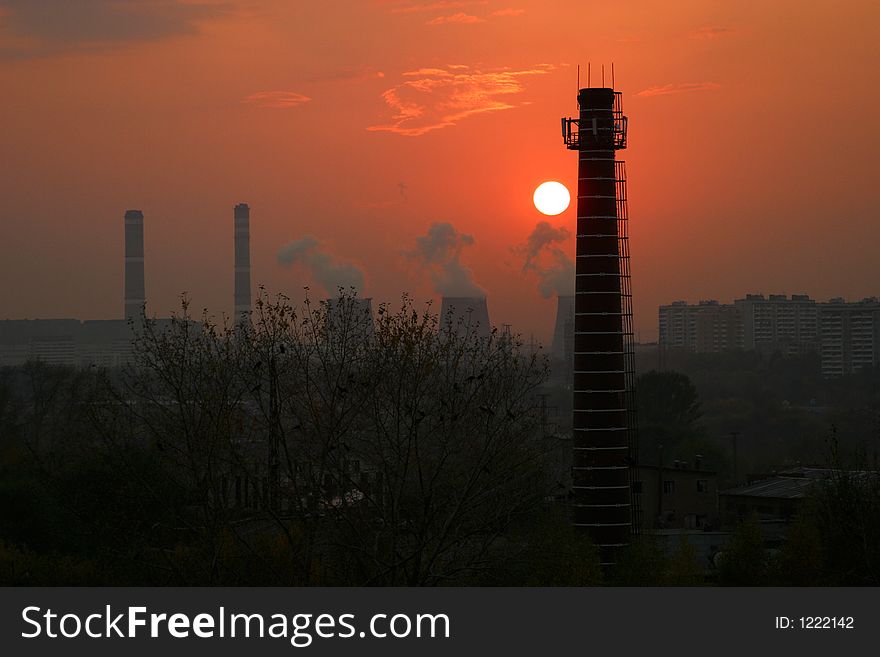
833, 541
310, 446
775, 412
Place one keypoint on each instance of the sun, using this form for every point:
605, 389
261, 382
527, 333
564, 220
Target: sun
552, 198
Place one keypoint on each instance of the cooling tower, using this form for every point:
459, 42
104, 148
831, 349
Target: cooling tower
135, 297
563, 331
603, 423
242, 218
352, 313
466, 313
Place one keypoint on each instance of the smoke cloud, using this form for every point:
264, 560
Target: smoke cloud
553, 267
325, 270
440, 252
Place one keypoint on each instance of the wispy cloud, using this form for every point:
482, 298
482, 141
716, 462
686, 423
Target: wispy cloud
348, 74
705, 33
276, 99
509, 11
460, 17
666, 89
418, 8
433, 98
49, 27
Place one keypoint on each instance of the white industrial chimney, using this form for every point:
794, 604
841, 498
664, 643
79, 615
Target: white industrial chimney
135, 297
242, 260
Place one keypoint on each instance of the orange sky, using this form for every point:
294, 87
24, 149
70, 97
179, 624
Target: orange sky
751, 165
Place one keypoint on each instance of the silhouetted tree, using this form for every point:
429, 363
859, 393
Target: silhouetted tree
745, 561
545, 549
645, 563
801, 560
843, 513
394, 452
668, 411
682, 568
641, 563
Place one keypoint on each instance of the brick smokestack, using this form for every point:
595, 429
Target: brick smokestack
603, 422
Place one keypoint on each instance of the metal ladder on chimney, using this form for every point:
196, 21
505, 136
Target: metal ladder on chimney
626, 311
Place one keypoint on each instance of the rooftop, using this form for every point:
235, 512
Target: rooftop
790, 484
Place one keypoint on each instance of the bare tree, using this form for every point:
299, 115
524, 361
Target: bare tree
395, 451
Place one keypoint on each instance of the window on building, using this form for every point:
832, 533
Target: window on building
702, 485
668, 487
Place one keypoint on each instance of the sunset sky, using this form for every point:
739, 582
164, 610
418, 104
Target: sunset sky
753, 139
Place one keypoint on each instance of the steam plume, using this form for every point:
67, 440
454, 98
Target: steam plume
554, 269
440, 251
325, 270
